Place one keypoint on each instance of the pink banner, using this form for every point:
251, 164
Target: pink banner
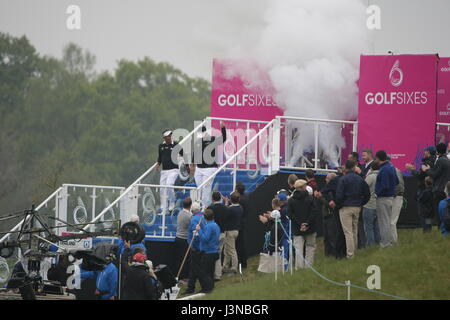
443, 100
397, 105
241, 90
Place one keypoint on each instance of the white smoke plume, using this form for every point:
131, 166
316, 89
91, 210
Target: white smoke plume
311, 50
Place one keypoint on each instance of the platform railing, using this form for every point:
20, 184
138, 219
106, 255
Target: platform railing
233, 159
80, 204
157, 221
322, 156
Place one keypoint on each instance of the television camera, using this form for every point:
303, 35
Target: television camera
37, 242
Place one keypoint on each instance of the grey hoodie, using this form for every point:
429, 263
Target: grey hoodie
371, 180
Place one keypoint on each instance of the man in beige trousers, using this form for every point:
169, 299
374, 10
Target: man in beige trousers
352, 193
232, 224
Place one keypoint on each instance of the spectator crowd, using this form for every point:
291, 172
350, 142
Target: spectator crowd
357, 207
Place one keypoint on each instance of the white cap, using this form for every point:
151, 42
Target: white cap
167, 133
309, 189
195, 206
134, 218
275, 214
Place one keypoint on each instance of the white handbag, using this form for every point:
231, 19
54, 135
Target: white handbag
267, 263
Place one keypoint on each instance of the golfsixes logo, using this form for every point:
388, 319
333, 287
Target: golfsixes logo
396, 78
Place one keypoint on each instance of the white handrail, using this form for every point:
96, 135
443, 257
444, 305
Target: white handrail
92, 186
162, 186
236, 154
112, 204
43, 203
237, 120
317, 120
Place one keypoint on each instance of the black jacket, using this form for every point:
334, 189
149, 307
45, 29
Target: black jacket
165, 155
208, 149
270, 226
233, 220
352, 191
425, 200
421, 175
302, 209
440, 173
244, 202
137, 282
220, 214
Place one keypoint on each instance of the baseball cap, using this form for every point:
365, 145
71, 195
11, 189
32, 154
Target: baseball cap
167, 133
139, 257
299, 183
282, 196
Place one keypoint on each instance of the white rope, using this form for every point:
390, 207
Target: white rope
336, 282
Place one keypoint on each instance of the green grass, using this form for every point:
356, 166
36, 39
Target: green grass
417, 268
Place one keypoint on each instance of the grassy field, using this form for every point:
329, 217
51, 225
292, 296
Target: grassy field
417, 268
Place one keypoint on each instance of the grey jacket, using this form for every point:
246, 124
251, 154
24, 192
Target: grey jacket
183, 221
400, 188
371, 180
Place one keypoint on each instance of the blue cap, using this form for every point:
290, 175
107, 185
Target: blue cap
282, 196
431, 149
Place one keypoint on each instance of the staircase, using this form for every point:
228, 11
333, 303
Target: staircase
223, 182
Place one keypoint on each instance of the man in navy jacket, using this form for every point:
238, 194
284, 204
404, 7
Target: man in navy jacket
385, 191
352, 193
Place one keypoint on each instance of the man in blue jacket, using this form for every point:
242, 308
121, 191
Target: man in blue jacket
385, 191
195, 253
105, 281
208, 235
352, 193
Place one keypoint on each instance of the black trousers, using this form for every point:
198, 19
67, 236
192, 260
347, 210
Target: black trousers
241, 249
206, 275
181, 247
341, 247
329, 235
333, 236
194, 268
362, 240
437, 197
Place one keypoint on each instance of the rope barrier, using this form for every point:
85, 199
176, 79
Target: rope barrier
336, 282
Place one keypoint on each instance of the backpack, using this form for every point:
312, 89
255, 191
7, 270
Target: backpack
446, 218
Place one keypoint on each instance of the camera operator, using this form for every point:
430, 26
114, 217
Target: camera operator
105, 280
138, 283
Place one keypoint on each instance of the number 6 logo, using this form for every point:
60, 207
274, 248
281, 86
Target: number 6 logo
396, 80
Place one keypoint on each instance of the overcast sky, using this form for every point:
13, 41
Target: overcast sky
189, 33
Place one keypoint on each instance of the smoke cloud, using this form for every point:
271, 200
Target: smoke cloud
310, 49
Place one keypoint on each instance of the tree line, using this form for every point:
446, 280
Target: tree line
63, 122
